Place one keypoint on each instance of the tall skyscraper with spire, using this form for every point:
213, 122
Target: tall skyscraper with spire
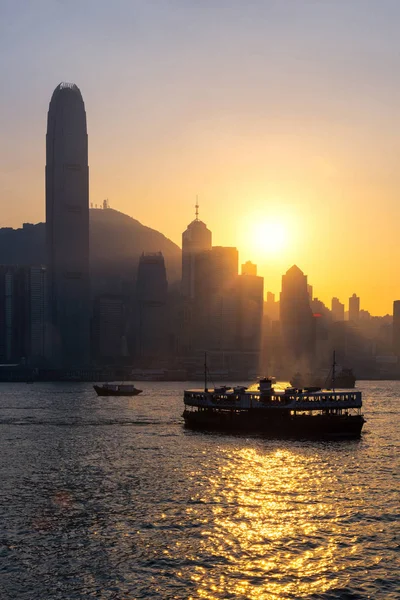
195, 239
67, 227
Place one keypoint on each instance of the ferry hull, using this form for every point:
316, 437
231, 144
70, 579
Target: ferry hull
280, 425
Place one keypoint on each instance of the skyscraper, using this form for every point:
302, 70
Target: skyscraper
151, 294
396, 328
354, 308
23, 314
215, 302
67, 227
195, 239
337, 309
250, 316
297, 321
110, 320
249, 268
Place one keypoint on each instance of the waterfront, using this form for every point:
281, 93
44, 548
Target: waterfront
113, 499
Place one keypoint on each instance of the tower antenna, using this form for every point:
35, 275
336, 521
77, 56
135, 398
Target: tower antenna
197, 208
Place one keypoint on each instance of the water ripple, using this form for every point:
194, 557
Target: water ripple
117, 501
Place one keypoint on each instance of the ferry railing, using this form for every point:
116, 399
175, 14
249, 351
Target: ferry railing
298, 402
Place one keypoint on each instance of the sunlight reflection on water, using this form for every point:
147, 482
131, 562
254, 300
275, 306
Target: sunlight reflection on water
270, 533
117, 501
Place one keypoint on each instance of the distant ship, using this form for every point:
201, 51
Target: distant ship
118, 389
344, 379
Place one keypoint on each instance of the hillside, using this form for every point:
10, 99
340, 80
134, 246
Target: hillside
116, 242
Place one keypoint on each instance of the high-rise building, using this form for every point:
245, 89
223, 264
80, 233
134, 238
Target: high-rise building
250, 316
364, 315
38, 315
319, 308
110, 321
249, 268
195, 239
23, 315
297, 321
13, 315
271, 307
151, 294
396, 328
354, 308
214, 319
249, 323
322, 321
337, 309
215, 270
67, 227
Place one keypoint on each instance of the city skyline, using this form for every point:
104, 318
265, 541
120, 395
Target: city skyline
199, 299
252, 127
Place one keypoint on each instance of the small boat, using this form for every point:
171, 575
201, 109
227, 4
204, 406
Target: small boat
116, 389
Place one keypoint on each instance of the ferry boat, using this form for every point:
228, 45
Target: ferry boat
263, 408
309, 412
117, 389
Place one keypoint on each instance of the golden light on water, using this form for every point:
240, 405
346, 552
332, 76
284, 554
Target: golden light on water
263, 529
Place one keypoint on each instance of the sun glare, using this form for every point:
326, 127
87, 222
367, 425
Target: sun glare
268, 237
268, 234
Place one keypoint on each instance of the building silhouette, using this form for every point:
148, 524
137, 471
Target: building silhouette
23, 315
249, 268
354, 308
151, 308
396, 328
67, 227
110, 322
250, 295
38, 315
195, 239
337, 309
215, 304
271, 307
297, 321
322, 322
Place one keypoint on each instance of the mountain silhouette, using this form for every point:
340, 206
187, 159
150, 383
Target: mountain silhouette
116, 243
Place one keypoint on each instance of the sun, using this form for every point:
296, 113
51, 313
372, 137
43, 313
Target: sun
268, 237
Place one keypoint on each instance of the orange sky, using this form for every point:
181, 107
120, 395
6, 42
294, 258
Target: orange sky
269, 110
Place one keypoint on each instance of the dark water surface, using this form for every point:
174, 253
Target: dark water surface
112, 498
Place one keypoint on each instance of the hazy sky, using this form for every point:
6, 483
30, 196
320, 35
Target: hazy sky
269, 110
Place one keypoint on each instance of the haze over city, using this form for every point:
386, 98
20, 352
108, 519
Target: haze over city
199, 299
281, 117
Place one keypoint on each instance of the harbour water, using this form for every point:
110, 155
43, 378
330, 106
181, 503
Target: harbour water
114, 499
